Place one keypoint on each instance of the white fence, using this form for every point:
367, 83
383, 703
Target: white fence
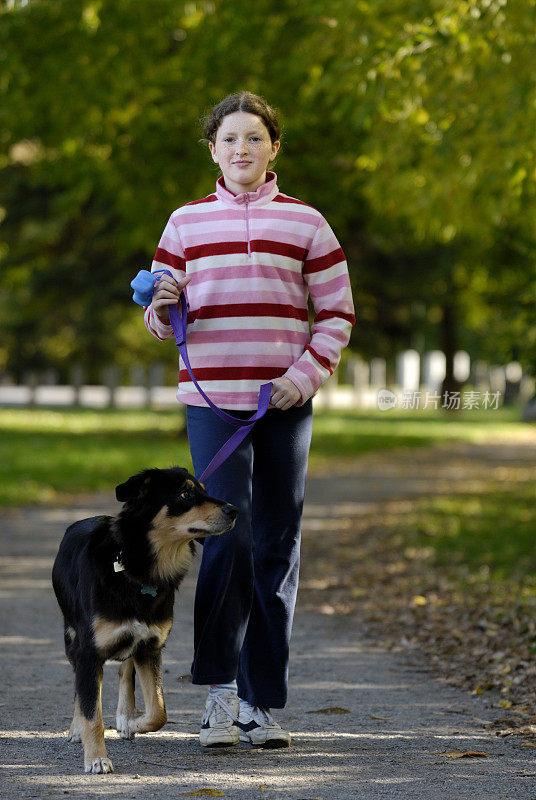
424, 375
355, 386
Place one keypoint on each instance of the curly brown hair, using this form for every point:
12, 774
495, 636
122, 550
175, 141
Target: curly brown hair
242, 101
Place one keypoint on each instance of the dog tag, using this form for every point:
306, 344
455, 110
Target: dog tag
118, 566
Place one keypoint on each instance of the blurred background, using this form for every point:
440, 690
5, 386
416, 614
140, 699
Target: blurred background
409, 125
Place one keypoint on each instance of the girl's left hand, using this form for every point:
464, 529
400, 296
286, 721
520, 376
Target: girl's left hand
284, 394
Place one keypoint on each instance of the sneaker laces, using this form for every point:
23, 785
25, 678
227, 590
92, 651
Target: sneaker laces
261, 715
216, 705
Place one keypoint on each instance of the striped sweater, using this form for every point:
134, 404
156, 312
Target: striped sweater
254, 258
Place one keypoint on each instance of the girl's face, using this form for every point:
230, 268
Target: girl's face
243, 150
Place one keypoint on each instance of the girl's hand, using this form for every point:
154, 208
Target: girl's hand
284, 394
167, 293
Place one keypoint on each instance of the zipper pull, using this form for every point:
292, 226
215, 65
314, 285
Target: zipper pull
247, 226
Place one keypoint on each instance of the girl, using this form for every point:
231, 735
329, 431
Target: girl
251, 255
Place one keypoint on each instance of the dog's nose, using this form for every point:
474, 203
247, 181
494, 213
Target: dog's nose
230, 511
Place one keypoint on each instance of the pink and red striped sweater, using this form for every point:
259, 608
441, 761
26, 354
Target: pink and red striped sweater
254, 258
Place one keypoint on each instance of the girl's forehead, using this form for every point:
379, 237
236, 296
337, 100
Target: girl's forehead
240, 122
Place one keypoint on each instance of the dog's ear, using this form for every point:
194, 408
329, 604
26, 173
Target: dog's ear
134, 488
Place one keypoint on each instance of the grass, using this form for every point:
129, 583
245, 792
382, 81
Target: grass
47, 455
489, 534
339, 434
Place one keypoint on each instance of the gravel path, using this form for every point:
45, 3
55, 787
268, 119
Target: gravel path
367, 722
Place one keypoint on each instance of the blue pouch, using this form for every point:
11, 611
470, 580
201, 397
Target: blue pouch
143, 285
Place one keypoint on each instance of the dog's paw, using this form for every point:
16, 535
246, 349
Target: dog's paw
123, 726
99, 766
74, 736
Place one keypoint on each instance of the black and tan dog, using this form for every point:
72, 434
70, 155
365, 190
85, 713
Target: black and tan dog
115, 580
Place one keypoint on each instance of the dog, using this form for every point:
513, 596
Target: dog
115, 580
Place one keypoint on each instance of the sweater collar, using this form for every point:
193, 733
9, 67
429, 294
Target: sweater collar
260, 197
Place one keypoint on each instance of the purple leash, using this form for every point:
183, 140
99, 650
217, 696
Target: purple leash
178, 320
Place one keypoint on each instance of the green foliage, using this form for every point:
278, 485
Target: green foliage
410, 126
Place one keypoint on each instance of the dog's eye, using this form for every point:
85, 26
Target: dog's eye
185, 494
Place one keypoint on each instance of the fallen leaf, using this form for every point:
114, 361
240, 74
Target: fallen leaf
505, 703
329, 710
466, 754
419, 600
204, 793
326, 609
373, 717
527, 744
527, 729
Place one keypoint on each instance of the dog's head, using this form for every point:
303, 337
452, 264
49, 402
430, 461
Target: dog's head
169, 508
176, 496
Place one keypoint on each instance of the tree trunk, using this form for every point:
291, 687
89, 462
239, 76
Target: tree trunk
449, 347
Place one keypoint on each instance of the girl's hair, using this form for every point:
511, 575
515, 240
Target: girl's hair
243, 101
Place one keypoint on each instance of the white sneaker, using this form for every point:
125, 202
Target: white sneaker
218, 728
258, 727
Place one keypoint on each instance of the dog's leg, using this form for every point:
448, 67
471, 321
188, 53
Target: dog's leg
149, 670
88, 679
75, 731
126, 705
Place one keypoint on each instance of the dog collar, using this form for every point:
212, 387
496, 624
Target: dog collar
120, 567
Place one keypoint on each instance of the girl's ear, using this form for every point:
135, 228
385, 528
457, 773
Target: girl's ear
212, 149
275, 147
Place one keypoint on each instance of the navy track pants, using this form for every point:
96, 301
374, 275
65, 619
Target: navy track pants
248, 578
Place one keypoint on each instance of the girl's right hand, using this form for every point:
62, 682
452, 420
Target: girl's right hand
167, 293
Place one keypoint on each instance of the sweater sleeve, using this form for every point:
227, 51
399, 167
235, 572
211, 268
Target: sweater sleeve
326, 274
169, 255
